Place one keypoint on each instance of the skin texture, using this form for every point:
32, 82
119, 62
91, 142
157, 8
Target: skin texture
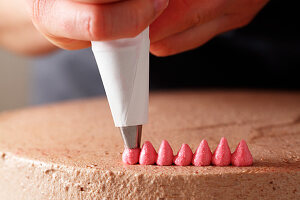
17, 33
203, 155
85, 21
222, 154
184, 156
175, 25
188, 24
242, 156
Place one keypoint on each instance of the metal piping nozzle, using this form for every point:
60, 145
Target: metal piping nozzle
131, 136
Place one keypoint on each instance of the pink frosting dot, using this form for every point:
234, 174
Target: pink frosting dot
148, 154
184, 156
222, 154
165, 154
131, 156
242, 156
203, 155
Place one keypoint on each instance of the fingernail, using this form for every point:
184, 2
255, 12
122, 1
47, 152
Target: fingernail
160, 5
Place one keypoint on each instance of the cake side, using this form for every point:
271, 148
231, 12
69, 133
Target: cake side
72, 150
29, 179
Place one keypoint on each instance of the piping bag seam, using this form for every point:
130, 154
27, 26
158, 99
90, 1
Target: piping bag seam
131, 93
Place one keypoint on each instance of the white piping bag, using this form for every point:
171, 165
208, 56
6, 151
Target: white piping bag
124, 68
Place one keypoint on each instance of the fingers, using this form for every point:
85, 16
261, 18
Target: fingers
187, 24
185, 14
98, 1
189, 39
86, 22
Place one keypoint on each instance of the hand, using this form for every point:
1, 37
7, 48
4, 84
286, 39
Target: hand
72, 24
187, 24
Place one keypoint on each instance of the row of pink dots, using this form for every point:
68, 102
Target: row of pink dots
203, 156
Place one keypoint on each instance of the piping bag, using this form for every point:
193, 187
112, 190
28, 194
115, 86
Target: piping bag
124, 68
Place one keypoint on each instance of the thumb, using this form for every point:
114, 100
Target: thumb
85, 22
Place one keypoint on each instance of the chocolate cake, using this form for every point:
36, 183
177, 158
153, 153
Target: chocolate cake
72, 150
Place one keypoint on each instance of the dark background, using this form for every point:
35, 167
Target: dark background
264, 55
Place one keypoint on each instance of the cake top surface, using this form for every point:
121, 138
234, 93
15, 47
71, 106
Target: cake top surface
81, 133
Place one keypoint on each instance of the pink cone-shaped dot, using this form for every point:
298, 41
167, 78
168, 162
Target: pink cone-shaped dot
202, 156
131, 156
222, 154
148, 154
184, 156
165, 154
241, 156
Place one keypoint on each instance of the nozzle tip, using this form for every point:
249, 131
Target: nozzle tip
131, 136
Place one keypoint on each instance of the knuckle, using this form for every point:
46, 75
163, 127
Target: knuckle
101, 25
97, 24
201, 18
213, 9
197, 19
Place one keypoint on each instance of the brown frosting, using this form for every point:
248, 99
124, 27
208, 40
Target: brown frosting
72, 150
